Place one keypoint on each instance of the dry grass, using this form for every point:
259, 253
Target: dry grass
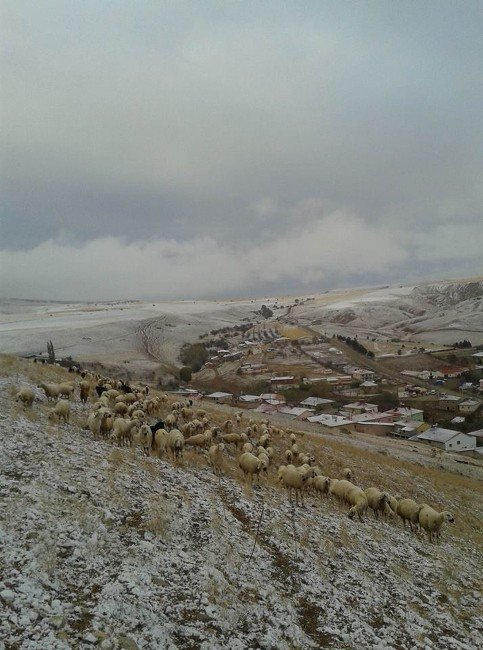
293, 333
36, 372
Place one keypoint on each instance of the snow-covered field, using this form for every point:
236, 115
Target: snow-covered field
100, 546
135, 335
143, 338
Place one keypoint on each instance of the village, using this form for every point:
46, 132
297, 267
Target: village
288, 370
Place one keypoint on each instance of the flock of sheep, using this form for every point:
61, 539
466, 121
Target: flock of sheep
120, 413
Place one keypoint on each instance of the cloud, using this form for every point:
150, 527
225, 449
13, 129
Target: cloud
110, 268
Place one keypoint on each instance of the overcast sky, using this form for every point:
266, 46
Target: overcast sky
218, 148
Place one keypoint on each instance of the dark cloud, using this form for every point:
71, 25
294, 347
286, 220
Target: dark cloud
242, 122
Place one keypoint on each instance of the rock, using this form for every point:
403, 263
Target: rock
7, 595
126, 643
57, 621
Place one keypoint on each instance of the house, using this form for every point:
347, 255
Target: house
369, 386
233, 356
446, 439
296, 412
249, 399
371, 416
265, 407
478, 435
220, 397
361, 374
459, 419
329, 420
273, 398
449, 402
337, 380
452, 371
316, 402
478, 356
190, 393
468, 406
373, 428
405, 429
360, 407
406, 413
282, 382
253, 369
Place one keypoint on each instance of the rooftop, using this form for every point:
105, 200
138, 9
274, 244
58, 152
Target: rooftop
218, 395
316, 401
329, 420
437, 434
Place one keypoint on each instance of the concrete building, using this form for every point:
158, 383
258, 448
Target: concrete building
446, 439
468, 406
360, 407
220, 397
478, 436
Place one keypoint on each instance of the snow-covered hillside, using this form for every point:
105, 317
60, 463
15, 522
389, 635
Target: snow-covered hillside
442, 312
101, 546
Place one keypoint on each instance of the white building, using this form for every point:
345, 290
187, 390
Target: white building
447, 439
468, 406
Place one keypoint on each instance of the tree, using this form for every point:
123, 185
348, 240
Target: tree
194, 355
185, 374
266, 312
51, 351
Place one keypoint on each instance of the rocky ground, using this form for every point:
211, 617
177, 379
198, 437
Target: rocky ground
100, 546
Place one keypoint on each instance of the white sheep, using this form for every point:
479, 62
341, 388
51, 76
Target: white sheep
170, 421
26, 396
265, 461
321, 485
175, 443
66, 389
340, 488
264, 440
294, 478
250, 465
120, 408
160, 441
215, 455
94, 420
247, 447
199, 440
61, 411
233, 438
123, 430
85, 389
144, 438
52, 391
358, 501
376, 500
409, 510
347, 473
431, 521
